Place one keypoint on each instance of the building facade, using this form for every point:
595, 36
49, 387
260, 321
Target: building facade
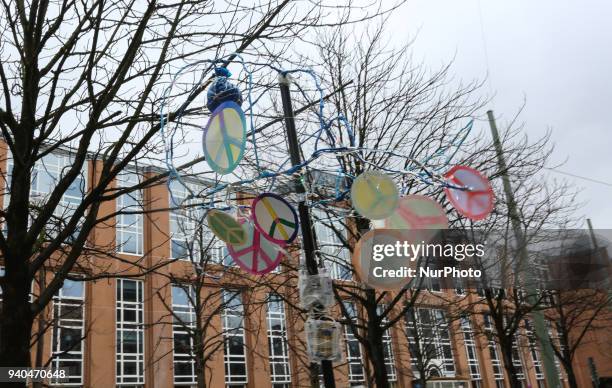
134, 330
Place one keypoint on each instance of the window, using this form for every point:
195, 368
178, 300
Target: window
534, 351
556, 340
182, 223
447, 384
69, 331
234, 342
45, 175
130, 220
183, 323
517, 360
388, 348
331, 245
280, 373
431, 328
130, 333
431, 283
459, 288
354, 356
498, 373
470, 348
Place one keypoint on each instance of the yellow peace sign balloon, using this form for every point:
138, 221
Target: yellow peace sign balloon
226, 227
374, 195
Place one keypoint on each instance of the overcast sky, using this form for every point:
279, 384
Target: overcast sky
557, 54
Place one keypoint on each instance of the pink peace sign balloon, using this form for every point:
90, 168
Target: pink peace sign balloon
476, 203
257, 255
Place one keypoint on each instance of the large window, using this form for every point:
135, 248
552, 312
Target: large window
182, 224
129, 220
130, 332
470, 348
534, 351
428, 329
280, 372
517, 360
45, 175
183, 324
553, 334
388, 348
496, 362
189, 240
330, 244
354, 355
69, 331
235, 358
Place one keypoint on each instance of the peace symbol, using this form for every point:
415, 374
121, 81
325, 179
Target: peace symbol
275, 218
477, 201
257, 255
226, 227
417, 212
225, 138
374, 195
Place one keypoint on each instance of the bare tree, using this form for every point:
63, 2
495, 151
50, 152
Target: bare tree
85, 81
507, 294
400, 115
573, 315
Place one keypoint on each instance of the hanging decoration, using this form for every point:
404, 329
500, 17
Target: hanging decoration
417, 212
225, 138
374, 195
257, 255
222, 90
257, 245
225, 227
315, 290
323, 339
474, 196
275, 218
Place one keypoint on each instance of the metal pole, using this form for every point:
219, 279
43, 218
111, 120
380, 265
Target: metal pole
308, 237
550, 369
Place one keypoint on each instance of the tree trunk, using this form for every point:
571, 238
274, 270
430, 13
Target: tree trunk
198, 352
506, 350
16, 322
375, 342
571, 376
380, 370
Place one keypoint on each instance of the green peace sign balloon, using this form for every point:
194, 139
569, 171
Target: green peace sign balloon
226, 227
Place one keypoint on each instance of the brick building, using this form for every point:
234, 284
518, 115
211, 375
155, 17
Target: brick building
120, 332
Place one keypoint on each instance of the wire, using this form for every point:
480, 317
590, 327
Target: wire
579, 176
420, 170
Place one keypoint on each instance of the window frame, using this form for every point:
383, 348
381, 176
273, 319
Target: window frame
229, 313
282, 360
130, 228
137, 327
180, 327
59, 301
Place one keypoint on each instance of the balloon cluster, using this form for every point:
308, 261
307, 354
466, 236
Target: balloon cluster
256, 243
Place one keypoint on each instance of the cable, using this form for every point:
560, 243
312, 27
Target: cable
579, 176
